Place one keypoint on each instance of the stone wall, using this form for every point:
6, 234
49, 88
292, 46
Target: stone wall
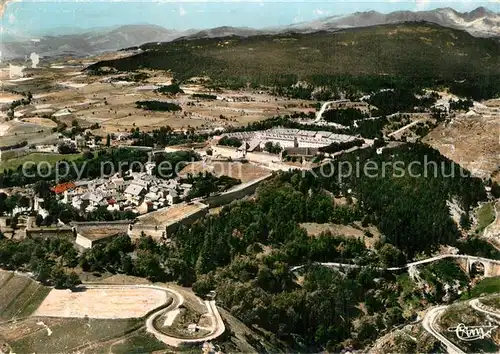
237, 192
49, 232
187, 220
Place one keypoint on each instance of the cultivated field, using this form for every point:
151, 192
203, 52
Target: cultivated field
35, 158
102, 303
69, 95
45, 122
14, 132
7, 98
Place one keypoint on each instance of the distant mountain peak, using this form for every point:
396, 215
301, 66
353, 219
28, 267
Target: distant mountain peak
480, 22
480, 12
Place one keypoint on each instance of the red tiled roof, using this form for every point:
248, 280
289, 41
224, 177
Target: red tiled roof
61, 188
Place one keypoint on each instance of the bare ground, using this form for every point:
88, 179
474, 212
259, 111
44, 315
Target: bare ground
471, 141
243, 171
113, 303
356, 231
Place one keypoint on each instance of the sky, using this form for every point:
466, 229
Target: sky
31, 18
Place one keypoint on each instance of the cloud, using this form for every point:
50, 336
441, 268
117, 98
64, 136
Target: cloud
320, 12
422, 4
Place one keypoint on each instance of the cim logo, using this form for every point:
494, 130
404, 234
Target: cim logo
472, 333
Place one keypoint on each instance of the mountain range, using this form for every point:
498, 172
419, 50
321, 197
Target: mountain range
480, 22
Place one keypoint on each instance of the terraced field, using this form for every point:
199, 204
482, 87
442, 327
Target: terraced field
19, 295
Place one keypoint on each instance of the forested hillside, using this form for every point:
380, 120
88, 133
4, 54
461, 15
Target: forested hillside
407, 194
363, 59
248, 250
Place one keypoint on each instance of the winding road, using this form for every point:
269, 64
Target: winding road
433, 314
428, 323
217, 329
407, 265
478, 306
217, 324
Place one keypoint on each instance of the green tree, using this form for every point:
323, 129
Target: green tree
203, 285
390, 256
495, 189
72, 280
465, 222
38, 220
58, 278
147, 265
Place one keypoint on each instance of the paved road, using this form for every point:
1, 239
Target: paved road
406, 127
216, 329
478, 306
217, 325
428, 323
319, 115
432, 315
406, 266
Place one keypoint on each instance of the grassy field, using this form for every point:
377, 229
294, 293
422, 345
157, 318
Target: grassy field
485, 216
19, 296
14, 287
15, 163
27, 301
138, 343
485, 286
493, 302
68, 335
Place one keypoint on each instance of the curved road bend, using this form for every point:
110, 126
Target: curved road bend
432, 315
218, 326
319, 115
476, 305
428, 324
